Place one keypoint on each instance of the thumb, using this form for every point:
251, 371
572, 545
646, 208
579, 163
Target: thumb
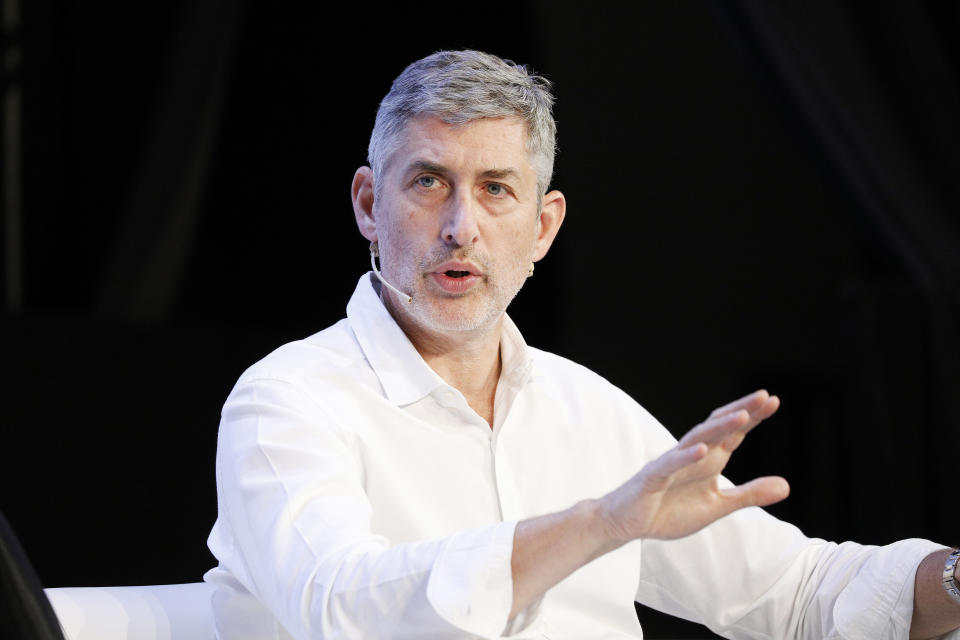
757, 493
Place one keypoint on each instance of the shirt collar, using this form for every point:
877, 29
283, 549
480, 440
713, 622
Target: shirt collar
404, 375
517, 363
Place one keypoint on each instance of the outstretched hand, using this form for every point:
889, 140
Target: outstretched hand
679, 493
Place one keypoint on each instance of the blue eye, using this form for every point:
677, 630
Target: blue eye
495, 189
427, 181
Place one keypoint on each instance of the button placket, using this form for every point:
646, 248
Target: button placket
511, 507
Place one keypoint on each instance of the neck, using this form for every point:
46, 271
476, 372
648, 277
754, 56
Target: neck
467, 360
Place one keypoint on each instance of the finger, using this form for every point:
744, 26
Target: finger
715, 430
657, 473
760, 405
766, 409
757, 493
750, 402
762, 412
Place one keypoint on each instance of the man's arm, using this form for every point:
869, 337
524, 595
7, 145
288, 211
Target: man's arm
678, 494
294, 537
934, 612
671, 497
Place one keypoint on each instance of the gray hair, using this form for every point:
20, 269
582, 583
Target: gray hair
462, 86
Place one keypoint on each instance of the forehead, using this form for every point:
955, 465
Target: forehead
480, 145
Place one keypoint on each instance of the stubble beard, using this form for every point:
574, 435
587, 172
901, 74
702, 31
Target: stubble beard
476, 311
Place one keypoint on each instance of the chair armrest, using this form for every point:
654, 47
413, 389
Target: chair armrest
155, 612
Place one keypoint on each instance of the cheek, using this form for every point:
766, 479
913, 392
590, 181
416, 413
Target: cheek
409, 238
415, 222
521, 252
527, 241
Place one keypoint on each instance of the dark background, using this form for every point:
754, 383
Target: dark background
760, 194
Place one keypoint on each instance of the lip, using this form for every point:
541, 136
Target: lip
456, 286
457, 265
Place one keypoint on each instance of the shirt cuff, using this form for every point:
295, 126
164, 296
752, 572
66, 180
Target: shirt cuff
879, 602
471, 582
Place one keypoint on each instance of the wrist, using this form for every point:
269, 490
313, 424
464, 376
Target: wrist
598, 527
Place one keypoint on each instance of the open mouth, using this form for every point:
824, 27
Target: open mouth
456, 281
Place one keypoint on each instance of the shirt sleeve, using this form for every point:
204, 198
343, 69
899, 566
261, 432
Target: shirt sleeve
750, 575
294, 530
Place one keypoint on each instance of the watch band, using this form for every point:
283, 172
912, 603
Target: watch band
950, 582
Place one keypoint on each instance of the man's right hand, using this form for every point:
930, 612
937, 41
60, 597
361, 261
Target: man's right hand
673, 496
679, 493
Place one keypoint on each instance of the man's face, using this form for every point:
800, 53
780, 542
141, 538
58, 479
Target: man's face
457, 222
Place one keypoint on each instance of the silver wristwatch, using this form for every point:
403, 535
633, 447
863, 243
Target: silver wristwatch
950, 582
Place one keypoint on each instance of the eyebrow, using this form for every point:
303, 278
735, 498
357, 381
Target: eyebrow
500, 174
424, 165
495, 174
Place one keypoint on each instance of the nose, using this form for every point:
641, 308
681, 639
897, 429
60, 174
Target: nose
460, 225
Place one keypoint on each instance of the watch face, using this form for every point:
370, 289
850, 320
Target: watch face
950, 581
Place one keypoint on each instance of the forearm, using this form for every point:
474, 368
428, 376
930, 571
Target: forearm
547, 549
934, 612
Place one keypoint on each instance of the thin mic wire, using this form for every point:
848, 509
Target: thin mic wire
373, 264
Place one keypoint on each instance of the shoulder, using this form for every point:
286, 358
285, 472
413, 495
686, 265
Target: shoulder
327, 357
595, 406
574, 379
303, 391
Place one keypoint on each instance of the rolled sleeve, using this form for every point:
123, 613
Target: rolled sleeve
750, 575
877, 602
471, 584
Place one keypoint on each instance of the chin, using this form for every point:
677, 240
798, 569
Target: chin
464, 320
474, 312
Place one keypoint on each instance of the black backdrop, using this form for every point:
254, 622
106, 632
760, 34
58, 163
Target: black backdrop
186, 169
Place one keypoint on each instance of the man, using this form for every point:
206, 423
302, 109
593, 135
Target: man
417, 471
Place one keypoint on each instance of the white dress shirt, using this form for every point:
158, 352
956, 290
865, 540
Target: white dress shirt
361, 497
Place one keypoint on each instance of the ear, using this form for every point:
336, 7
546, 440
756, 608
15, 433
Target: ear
552, 211
361, 192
